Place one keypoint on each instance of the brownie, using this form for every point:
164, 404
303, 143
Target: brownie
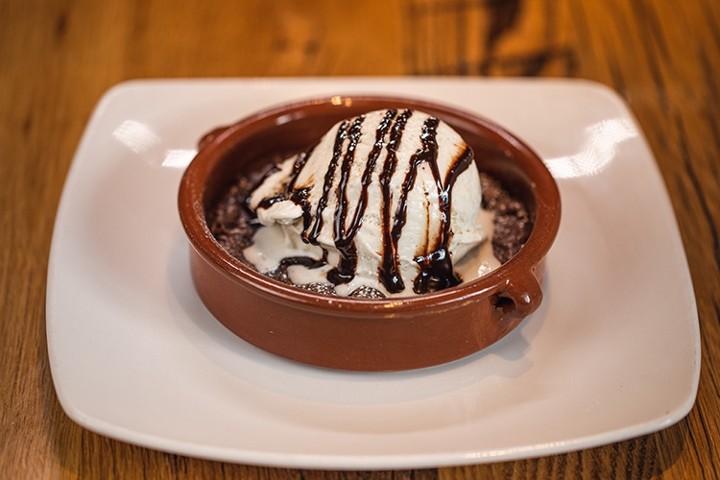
233, 225
511, 221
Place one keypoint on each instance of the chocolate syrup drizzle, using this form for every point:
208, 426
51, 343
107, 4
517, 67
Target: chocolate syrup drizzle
436, 270
390, 267
344, 235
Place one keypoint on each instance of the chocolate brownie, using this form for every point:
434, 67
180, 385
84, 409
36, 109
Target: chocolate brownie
233, 225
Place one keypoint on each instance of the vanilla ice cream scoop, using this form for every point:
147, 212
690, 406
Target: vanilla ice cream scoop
390, 200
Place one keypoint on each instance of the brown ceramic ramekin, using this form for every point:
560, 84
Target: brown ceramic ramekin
363, 334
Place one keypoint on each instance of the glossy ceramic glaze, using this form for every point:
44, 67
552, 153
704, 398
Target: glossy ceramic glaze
361, 334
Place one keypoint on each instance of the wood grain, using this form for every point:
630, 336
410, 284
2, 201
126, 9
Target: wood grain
58, 58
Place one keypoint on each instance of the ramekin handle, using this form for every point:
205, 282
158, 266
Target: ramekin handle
520, 296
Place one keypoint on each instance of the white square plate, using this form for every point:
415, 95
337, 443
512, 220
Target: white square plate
613, 353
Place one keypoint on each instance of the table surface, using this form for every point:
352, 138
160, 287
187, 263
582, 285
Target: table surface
58, 58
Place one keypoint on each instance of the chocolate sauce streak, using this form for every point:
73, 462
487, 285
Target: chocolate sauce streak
288, 192
344, 235
281, 273
298, 165
300, 197
436, 268
345, 271
266, 202
311, 235
389, 270
307, 262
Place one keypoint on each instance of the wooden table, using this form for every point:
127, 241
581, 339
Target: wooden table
58, 58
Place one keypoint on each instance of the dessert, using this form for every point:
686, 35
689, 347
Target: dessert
387, 203
345, 332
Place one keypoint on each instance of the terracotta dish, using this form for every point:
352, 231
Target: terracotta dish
363, 334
